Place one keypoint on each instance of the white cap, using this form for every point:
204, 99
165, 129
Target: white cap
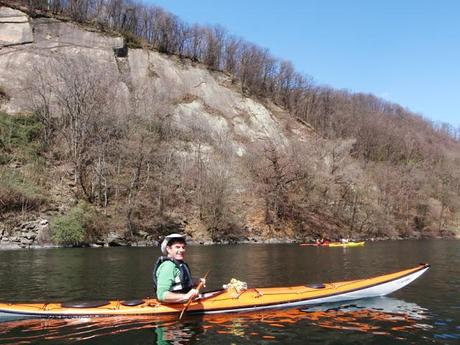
168, 239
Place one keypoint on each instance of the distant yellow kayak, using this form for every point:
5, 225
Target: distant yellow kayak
335, 244
347, 244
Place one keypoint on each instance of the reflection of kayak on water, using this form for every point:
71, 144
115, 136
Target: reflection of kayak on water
335, 244
379, 315
227, 300
386, 305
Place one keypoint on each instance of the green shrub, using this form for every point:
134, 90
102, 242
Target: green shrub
81, 225
69, 229
131, 40
20, 136
19, 130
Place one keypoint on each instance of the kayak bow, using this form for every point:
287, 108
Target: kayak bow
225, 301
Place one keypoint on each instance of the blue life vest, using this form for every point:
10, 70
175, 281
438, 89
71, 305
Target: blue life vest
183, 282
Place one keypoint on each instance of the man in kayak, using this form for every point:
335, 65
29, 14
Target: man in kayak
322, 242
172, 278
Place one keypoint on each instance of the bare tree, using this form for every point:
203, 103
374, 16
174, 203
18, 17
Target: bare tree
83, 92
276, 174
39, 91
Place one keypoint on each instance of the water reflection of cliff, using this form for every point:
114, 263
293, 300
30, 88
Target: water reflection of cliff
381, 316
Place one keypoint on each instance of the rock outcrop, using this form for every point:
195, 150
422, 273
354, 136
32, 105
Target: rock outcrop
36, 234
20, 50
15, 27
29, 234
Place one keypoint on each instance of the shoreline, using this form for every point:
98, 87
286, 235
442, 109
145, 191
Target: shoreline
191, 242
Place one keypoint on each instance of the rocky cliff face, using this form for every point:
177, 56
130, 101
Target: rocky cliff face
193, 95
198, 94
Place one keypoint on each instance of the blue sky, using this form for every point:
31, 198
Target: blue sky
405, 51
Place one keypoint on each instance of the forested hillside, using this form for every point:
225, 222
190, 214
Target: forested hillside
189, 128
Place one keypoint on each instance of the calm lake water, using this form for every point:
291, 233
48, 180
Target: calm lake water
425, 312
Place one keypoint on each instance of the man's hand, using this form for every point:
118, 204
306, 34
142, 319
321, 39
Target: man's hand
197, 281
191, 294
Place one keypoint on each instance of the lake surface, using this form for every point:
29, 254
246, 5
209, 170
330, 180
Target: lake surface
425, 312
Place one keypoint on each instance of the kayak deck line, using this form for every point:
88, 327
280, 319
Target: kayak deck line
225, 301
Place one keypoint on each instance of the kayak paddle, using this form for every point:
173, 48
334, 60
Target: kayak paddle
199, 286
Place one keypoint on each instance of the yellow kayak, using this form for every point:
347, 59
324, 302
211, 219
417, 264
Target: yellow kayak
335, 244
226, 300
346, 244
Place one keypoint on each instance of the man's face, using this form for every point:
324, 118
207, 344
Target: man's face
176, 250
